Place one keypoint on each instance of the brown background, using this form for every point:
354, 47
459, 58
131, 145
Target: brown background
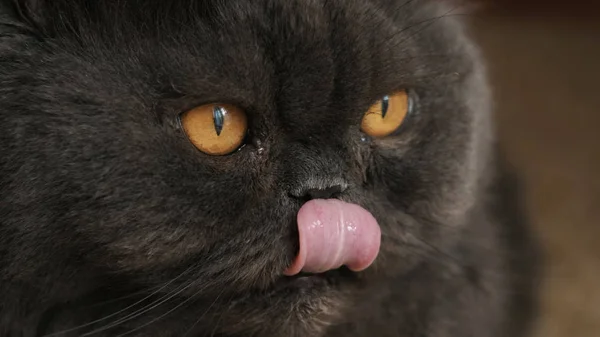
544, 60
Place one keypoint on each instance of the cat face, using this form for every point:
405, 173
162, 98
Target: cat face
97, 162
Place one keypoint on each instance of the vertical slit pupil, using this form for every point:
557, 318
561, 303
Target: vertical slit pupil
385, 104
218, 118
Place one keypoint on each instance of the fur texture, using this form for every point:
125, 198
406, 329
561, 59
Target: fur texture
111, 223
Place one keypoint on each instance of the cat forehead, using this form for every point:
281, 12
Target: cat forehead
298, 52
244, 48
315, 24
296, 13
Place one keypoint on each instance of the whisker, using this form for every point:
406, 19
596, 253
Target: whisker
166, 313
117, 299
216, 324
427, 23
406, 3
408, 239
447, 259
154, 293
142, 310
422, 246
204, 314
431, 248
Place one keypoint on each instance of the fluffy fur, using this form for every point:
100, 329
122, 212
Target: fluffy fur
111, 223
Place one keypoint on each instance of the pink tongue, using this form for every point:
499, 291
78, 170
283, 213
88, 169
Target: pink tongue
333, 234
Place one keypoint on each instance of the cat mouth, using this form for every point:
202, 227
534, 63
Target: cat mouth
336, 240
305, 280
333, 233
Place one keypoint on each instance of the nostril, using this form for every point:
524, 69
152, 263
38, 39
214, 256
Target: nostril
323, 193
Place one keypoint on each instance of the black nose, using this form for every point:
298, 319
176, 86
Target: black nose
327, 192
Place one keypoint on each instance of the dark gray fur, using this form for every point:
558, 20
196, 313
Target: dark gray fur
105, 205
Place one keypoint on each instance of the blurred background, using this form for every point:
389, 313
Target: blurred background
544, 61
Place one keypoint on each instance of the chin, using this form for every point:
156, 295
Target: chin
302, 305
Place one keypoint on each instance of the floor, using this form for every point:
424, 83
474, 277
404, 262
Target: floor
546, 73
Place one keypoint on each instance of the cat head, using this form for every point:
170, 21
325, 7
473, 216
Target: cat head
99, 169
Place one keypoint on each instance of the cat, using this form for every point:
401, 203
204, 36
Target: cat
253, 168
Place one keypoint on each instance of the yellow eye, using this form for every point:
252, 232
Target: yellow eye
215, 129
386, 116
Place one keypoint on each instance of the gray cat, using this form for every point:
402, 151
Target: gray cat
253, 168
